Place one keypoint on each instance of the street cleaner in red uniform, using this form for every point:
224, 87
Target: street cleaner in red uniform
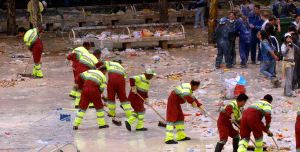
297, 131
229, 115
92, 83
138, 95
84, 61
181, 94
252, 122
34, 43
73, 58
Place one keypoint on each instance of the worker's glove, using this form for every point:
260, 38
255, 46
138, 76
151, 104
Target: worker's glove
194, 105
133, 90
270, 134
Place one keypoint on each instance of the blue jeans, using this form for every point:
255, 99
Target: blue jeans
267, 68
244, 52
254, 43
199, 15
223, 50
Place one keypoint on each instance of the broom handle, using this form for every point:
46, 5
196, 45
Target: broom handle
277, 147
152, 108
207, 113
239, 128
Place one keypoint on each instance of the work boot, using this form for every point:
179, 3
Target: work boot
128, 127
235, 144
141, 129
171, 142
105, 126
243, 66
219, 147
75, 127
184, 139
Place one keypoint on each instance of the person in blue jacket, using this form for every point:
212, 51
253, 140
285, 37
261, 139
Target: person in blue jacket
221, 36
244, 30
280, 9
255, 23
232, 25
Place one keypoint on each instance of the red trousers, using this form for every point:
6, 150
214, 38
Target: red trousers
137, 102
252, 122
116, 85
225, 128
297, 132
36, 50
78, 70
174, 111
90, 93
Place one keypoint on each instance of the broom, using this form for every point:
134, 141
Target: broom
160, 123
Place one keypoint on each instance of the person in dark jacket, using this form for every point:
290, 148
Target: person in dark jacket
280, 9
255, 25
244, 30
222, 35
232, 25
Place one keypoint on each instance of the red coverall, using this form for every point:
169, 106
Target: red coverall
37, 49
297, 132
174, 112
225, 126
116, 85
90, 93
252, 121
137, 102
78, 67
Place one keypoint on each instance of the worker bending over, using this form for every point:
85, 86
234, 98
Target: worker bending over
35, 45
138, 95
93, 83
175, 117
252, 122
230, 114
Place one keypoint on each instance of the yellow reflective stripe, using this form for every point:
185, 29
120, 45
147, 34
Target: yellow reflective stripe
114, 67
142, 83
183, 90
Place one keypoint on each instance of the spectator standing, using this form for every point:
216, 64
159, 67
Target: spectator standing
200, 12
280, 9
296, 23
221, 36
232, 25
296, 78
288, 64
267, 68
247, 8
244, 31
255, 25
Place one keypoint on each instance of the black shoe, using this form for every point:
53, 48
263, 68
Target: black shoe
76, 107
243, 66
218, 67
219, 147
171, 142
37, 77
75, 127
229, 67
128, 127
235, 144
184, 139
74, 97
141, 129
105, 126
253, 62
91, 106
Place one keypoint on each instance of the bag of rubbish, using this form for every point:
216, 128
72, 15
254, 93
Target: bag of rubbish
229, 88
240, 86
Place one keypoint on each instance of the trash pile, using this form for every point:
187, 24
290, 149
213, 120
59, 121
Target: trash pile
7, 83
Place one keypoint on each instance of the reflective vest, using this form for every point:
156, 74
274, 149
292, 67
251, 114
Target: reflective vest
96, 76
236, 110
184, 89
141, 83
87, 59
80, 50
263, 106
31, 36
30, 9
114, 67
